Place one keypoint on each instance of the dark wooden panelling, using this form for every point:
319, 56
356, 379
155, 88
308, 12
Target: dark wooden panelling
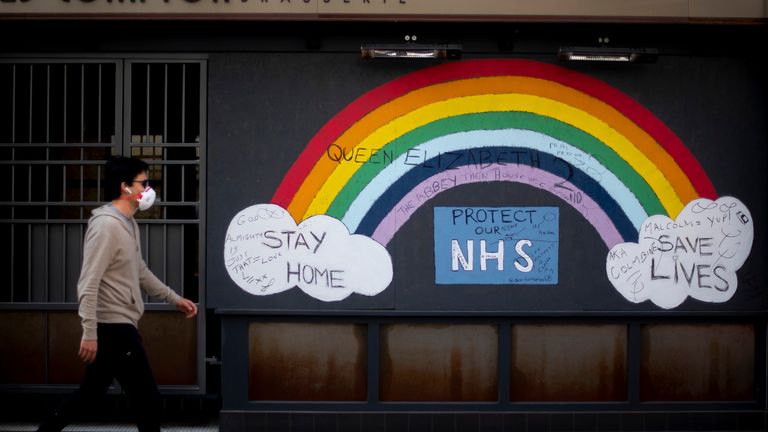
292, 362
64, 334
568, 363
697, 362
170, 340
22, 348
434, 362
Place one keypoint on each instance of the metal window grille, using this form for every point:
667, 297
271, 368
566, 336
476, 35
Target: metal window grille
163, 127
59, 121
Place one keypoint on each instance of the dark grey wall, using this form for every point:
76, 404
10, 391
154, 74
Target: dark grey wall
264, 108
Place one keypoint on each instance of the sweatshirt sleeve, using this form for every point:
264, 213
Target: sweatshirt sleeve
98, 251
154, 286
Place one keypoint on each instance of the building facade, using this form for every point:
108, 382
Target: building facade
400, 215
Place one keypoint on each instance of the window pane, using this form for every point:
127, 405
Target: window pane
434, 362
696, 362
568, 363
311, 362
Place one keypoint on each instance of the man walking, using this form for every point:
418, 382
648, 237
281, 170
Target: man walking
109, 291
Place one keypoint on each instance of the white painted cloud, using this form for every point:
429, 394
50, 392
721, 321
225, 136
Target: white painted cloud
265, 253
695, 255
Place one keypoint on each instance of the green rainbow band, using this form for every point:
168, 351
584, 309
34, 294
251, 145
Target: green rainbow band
496, 121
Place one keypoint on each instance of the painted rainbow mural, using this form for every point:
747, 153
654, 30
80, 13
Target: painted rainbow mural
493, 120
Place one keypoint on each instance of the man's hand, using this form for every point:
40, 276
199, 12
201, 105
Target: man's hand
88, 350
187, 307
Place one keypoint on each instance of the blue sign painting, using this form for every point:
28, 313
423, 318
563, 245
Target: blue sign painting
496, 245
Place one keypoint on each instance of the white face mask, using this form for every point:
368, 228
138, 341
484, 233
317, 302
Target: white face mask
146, 198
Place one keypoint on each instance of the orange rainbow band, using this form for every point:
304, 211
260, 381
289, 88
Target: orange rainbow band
456, 89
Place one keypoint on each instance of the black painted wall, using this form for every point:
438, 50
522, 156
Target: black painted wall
265, 106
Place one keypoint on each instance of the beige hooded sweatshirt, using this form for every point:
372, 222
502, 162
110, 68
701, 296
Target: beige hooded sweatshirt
114, 273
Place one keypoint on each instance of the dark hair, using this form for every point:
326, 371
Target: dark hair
121, 169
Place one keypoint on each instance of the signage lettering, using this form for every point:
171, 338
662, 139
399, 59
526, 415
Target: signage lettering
496, 245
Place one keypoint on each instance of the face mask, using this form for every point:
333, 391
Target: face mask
146, 198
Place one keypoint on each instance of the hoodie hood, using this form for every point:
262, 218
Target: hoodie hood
110, 211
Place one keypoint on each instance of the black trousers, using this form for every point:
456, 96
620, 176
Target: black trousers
120, 355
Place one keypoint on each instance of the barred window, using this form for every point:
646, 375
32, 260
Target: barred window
60, 119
